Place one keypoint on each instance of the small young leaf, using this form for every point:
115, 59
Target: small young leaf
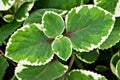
22, 12
109, 5
88, 57
100, 68
8, 18
62, 47
6, 4
3, 66
7, 30
88, 27
118, 69
50, 71
53, 24
36, 16
114, 36
84, 75
115, 58
30, 46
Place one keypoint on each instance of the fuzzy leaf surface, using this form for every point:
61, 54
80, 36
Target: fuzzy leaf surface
3, 66
62, 47
84, 75
30, 46
88, 27
53, 24
114, 36
50, 71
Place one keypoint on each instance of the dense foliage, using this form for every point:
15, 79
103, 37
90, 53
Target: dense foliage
59, 40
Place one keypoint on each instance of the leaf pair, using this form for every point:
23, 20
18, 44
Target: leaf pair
53, 27
87, 27
33, 46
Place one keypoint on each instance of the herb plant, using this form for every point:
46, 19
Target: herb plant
59, 40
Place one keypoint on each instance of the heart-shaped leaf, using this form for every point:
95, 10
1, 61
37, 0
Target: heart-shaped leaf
53, 24
84, 75
50, 71
88, 27
62, 47
114, 36
30, 46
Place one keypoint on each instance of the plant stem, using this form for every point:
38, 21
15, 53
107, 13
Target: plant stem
3, 54
69, 66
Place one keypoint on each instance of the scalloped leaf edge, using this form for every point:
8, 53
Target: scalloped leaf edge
21, 67
117, 8
26, 61
26, 14
43, 29
103, 38
85, 60
57, 53
96, 76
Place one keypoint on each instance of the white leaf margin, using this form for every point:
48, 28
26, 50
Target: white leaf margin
26, 61
27, 13
84, 60
51, 12
117, 8
117, 67
4, 7
93, 46
20, 67
113, 67
57, 53
96, 76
